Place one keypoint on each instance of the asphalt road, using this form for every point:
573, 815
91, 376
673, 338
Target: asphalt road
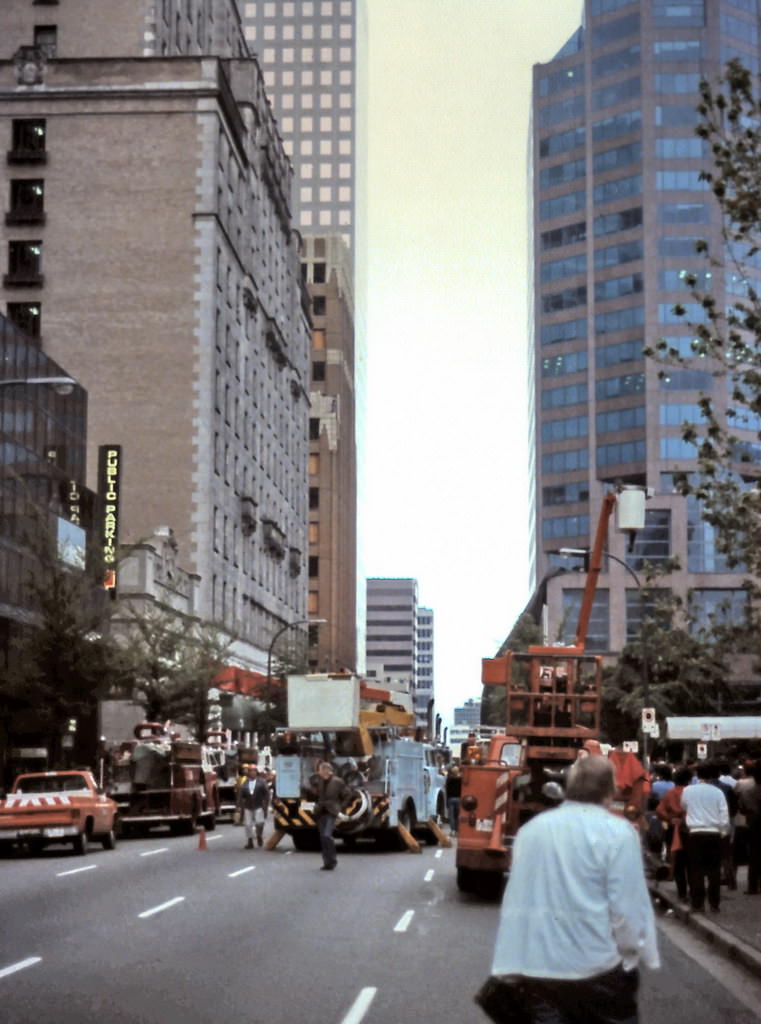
158, 932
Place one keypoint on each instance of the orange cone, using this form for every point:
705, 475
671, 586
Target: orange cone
202, 839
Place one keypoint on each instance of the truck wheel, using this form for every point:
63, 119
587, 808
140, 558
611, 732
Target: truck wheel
109, 840
465, 880
306, 840
79, 844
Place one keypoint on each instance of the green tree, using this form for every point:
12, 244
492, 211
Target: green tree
173, 660
63, 659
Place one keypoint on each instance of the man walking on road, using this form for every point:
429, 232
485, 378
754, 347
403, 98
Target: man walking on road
707, 820
576, 917
254, 800
332, 793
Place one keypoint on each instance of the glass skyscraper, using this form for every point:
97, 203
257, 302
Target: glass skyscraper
618, 205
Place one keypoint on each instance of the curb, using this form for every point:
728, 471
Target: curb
723, 939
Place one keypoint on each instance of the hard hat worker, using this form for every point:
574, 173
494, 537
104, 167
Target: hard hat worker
253, 801
577, 919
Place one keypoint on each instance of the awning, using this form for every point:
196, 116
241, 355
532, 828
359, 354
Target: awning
703, 727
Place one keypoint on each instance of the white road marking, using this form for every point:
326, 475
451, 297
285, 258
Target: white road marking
360, 1006
151, 853
75, 871
161, 906
242, 871
29, 962
210, 839
404, 921
438, 853
428, 875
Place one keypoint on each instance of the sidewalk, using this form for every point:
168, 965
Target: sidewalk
735, 930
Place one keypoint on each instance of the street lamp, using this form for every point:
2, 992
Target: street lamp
61, 385
276, 637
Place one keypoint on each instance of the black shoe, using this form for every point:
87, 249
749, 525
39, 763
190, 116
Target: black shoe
259, 841
249, 844
327, 867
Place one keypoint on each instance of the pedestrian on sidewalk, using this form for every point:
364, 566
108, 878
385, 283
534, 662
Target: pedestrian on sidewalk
750, 806
576, 917
253, 801
707, 819
332, 793
670, 811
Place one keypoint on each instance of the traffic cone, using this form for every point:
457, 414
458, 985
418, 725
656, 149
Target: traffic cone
202, 839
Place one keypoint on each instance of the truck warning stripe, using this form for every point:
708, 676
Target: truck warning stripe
501, 793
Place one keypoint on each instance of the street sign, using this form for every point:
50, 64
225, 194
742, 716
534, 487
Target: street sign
655, 732
715, 731
702, 751
648, 719
630, 746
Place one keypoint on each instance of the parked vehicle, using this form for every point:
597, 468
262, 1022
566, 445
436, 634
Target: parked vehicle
57, 807
159, 779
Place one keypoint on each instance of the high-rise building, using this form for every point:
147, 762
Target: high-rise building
149, 244
391, 645
424, 677
311, 59
618, 204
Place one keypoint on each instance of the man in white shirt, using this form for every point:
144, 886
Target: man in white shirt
576, 917
707, 820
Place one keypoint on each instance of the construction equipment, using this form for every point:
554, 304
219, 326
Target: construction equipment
160, 779
552, 701
369, 736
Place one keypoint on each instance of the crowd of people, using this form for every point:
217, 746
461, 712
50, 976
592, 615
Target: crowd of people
704, 821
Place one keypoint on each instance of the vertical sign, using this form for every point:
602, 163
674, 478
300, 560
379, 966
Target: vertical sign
109, 477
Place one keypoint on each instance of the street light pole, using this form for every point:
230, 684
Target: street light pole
274, 640
645, 666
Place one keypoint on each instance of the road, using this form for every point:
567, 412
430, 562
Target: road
160, 931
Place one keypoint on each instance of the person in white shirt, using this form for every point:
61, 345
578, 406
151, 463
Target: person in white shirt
577, 918
707, 821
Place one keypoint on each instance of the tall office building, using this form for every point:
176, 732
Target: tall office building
149, 247
310, 53
391, 645
618, 205
424, 676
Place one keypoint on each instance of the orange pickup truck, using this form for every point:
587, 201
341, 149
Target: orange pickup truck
57, 807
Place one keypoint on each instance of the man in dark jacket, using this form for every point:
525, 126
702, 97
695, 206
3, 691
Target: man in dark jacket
332, 793
253, 800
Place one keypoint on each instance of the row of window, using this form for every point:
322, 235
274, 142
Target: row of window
605, 355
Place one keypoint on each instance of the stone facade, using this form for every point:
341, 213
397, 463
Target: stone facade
169, 283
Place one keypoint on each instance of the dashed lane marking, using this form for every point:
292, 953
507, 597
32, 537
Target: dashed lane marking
29, 962
438, 854
428, 875
360, 1006
404, 921
242, 871
76, 871
152, 853
161, 906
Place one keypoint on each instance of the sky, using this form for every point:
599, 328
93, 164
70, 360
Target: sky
445, 496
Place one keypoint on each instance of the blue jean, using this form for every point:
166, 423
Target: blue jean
325, 825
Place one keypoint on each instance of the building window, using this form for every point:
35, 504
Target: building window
652, 544
318, 370
28, 141
314, 566
27, 202
46, 38
709, 608
26, 316
597, 639
314, 428
24, 263
319, 305
319, 273
314, 497
643, 606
